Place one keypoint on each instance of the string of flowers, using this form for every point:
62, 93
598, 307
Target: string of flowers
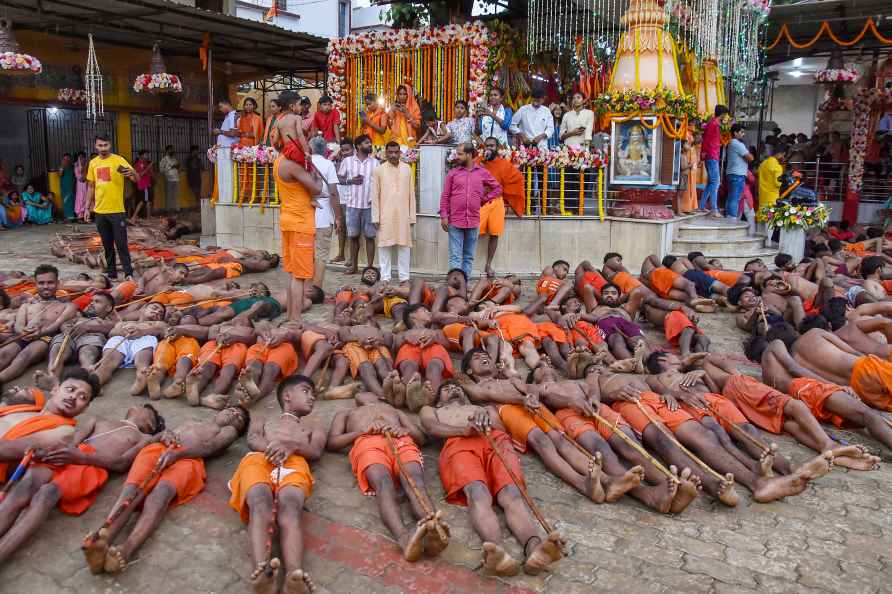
660, 101
24, 63
864, 102
788, 216
160, 82
837, 75
262, 155
474, 36
76, 96
410, 155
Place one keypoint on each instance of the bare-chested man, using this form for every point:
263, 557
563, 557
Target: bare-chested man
669, 284
366, 348
223, 355
421, 357
505, 290
179, 455
705, 285
295, 147
132, 345
527, 422
614, 320
370, 429
553, 286
86, 335
276, 473
162, 278
828, 402
473, 474
36, 324
72, 474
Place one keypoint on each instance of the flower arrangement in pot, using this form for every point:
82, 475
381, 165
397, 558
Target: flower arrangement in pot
158, 80
12, 60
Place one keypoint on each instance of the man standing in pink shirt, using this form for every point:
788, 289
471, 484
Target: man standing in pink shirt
709, 154
468, 186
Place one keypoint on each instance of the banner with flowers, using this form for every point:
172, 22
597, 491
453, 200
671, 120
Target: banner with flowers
837, 75
660, 101
443, 64
788, 216
160, 82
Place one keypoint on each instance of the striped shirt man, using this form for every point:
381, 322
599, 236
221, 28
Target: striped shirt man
360, 194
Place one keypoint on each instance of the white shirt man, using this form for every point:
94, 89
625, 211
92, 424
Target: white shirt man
325, 213
533, 123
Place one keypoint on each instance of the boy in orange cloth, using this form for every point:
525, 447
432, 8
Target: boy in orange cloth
553, 286
367, 352
828, 402
615, 272
164, 474
588, 278
680, 329
475, 475
175, 356
272, 359
421, 350
492, 214
225, 352
516, 402
71, 475
371, 428
669, 284
276, 473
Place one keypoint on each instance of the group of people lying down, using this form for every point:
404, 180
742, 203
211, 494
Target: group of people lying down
567, 375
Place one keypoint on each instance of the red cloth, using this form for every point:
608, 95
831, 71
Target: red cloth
712, 140
326, 122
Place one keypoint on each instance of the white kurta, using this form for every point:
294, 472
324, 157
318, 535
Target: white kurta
393, 204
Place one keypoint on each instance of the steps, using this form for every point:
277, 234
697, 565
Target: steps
720, 238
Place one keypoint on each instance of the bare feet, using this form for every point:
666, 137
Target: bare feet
619, 486
547, 552
342, 392
816, 467
639, 355
246, 381
241, 394
264, 579
299, 582
438, 534
153, 382
703, 305
498, 562
95, 547
413, 544
215, 401
688, 489
624, 366
174, 390
414, 396
727, 494
44, 380
855, 457
139, 384
114, 560
193, 393
399, 394
392, 377
766, 462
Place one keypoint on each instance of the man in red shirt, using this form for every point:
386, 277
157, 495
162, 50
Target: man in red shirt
709, 154
327, 122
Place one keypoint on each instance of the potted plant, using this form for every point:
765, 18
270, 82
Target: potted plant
793, 220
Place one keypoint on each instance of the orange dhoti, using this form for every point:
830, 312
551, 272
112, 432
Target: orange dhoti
357, 355
233, 354
586, 333
492, 217
233, 269
552, 331
517, 327
283, 355
575, 424
453, 333
464, 460
298, 254
625, 281
422, 356
126, 290
657, 409
186, 475
78, 484
872, 381
369, 450
761, 404
348, 297
308, 342
814, 393
720, 408
173, 298
593, 280
255, 469
519, 422
169, 352
675, 323
661, 281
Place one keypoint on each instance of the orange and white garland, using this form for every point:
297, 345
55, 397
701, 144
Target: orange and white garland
473, 35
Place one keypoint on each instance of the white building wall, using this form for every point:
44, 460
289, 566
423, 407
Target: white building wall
795, 107
316, 17
367, 18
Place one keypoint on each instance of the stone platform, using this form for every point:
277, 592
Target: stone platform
721, 238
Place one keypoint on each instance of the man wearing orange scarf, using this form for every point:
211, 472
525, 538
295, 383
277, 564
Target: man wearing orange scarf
492, 214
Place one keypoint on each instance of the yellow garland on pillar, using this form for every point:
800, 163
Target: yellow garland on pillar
253, 184
637, 75
235, 193
601, 193
544, 188
660, 60
529, 190
581, 191
563, 210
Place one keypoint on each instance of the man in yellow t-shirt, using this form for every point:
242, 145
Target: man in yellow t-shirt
105, 198
769, 185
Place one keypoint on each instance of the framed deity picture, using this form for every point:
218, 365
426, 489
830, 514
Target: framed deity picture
634, 151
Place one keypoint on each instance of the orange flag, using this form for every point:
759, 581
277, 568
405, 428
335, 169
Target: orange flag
203, 50
273, 11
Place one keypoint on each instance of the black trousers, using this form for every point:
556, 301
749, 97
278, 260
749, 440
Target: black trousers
112, 229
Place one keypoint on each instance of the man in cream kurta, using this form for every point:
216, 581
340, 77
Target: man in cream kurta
393, 212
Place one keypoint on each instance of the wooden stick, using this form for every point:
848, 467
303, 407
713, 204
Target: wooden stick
737, 430
665, 431
214, 300
274, 523
16, 338
58, 358
517, 483
140, 300
17, 474
96, 365
634, 445
422, 500
562, 433
217, 348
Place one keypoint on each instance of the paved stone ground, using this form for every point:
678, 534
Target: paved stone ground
834, 537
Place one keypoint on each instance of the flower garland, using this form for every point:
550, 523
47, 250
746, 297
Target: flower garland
160, 82
831, 104
262, 155
75, 96
864, 102
788, 216
564, 157
837, 75
660, 101
17, 63
473, 35
410, 155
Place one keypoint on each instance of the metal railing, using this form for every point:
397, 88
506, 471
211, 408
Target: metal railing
830, 180
553, 191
